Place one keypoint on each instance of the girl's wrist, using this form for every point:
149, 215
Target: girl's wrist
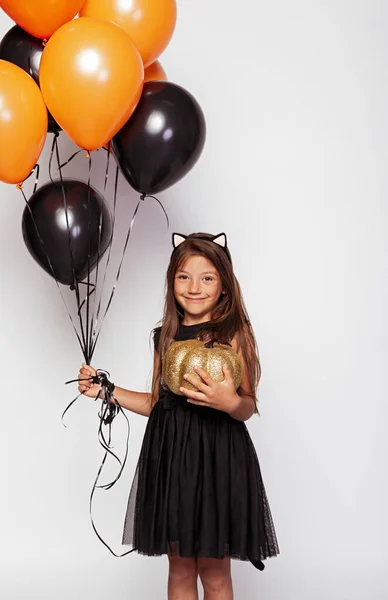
234, 404
243, 408
113, 394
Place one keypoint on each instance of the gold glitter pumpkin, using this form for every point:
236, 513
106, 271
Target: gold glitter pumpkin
182, 357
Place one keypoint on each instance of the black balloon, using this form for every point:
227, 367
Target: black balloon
86, 209
25, 51
162, 140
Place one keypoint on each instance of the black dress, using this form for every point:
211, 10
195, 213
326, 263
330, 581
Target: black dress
197, 490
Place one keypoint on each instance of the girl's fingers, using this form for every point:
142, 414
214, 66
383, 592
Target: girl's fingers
227, 373
204, 376
88, 370
84, 377
198, 396
85, 381
202, 387
198, 403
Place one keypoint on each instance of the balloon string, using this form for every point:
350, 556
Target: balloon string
75, 282
143, 196
109, 411
56, 134
36, 170
92, 327
87, 328
89, 252
70, 159
97, 315
107, 170
89, 293
118, 273
30, 72
51, 267
36, 179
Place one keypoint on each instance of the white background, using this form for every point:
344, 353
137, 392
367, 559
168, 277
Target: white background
294, 170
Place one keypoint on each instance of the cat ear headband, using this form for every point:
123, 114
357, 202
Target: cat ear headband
219, 239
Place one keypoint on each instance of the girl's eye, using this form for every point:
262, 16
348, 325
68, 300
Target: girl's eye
209, 278
182, 276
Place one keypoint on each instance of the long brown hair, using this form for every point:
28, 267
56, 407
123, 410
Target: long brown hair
229, 319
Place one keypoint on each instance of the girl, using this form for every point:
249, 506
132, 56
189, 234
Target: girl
198, 494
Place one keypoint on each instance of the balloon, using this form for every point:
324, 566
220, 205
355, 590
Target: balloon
155, 72
25, 51
91, 76
163, 139
23, 123
149, 23
84, 208
41, 17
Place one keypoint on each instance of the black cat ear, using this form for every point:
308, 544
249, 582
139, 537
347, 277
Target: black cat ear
220, 239
178, 238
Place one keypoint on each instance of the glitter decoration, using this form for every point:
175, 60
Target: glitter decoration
182, 357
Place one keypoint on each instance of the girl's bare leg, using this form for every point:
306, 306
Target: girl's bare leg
182, 578
216, 578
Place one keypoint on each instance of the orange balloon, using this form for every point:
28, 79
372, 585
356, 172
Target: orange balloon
41, 17
155, 72
91, 77
149, 23
23, 123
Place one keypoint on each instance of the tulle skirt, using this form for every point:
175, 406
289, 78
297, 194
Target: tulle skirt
198, 490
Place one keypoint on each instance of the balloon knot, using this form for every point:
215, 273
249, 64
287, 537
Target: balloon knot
44, 42
19, 186
142, 196
87, 154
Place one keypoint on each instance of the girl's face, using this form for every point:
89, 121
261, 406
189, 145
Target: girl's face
197, 288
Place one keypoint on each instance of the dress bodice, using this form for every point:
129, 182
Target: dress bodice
188, 332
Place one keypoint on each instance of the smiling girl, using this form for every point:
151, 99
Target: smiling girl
198, 494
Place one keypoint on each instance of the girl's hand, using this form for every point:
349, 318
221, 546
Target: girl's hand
221, 396
85, 385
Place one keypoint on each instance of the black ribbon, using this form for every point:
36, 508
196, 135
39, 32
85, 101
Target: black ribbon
110, 409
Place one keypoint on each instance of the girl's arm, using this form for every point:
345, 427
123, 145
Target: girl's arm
137, 402
245, 406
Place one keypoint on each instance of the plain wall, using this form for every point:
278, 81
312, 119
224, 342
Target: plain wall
294, 170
